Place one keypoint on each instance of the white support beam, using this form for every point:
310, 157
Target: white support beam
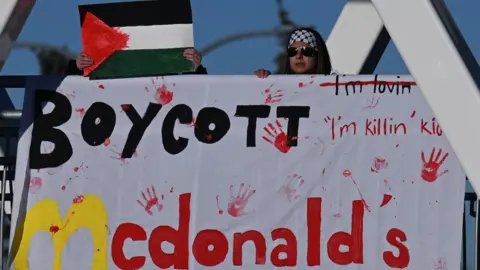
444, 68
358, 39
13, 15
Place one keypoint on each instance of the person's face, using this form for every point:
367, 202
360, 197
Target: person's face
302, 60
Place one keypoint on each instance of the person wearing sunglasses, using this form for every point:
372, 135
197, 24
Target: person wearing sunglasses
307, 54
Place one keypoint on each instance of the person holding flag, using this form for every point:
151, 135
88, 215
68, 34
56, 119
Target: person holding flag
137, 38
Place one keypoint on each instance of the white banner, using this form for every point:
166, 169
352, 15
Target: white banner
196, 172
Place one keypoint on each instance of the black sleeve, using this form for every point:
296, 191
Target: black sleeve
201, 70
72, 68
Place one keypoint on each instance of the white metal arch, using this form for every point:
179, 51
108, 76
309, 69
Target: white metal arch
13, 15
435, 53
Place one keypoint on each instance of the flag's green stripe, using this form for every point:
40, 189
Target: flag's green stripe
133, 63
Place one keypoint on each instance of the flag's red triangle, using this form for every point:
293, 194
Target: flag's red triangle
99, 40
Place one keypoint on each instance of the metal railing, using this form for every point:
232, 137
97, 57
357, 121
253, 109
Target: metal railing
9, 126
8, 149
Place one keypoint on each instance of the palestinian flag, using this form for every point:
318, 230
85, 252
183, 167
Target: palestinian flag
140, 38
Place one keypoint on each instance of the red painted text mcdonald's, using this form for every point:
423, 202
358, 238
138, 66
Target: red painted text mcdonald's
210, 247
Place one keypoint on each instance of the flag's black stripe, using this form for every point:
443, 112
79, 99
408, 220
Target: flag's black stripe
159, 12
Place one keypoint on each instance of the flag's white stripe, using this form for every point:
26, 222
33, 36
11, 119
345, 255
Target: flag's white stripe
159, 36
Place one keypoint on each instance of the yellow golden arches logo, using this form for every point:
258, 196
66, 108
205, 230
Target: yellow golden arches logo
87, 211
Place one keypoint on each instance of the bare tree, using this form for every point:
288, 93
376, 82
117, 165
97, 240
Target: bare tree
244, 35
285, 21
52, 59
281, 32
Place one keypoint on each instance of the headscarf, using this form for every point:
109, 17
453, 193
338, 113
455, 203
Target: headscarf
304, 36
311, 37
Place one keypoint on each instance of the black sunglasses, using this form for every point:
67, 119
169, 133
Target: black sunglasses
306, 51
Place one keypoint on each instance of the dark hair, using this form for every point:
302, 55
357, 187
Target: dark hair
323, 65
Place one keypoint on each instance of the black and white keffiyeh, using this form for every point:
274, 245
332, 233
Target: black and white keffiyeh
303, 36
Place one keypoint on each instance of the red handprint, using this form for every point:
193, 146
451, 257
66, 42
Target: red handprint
291, 187
162, 94
35, 184
237, 203
151, 201
277, 137
430, 168
272, 97
378, 164
440, 264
